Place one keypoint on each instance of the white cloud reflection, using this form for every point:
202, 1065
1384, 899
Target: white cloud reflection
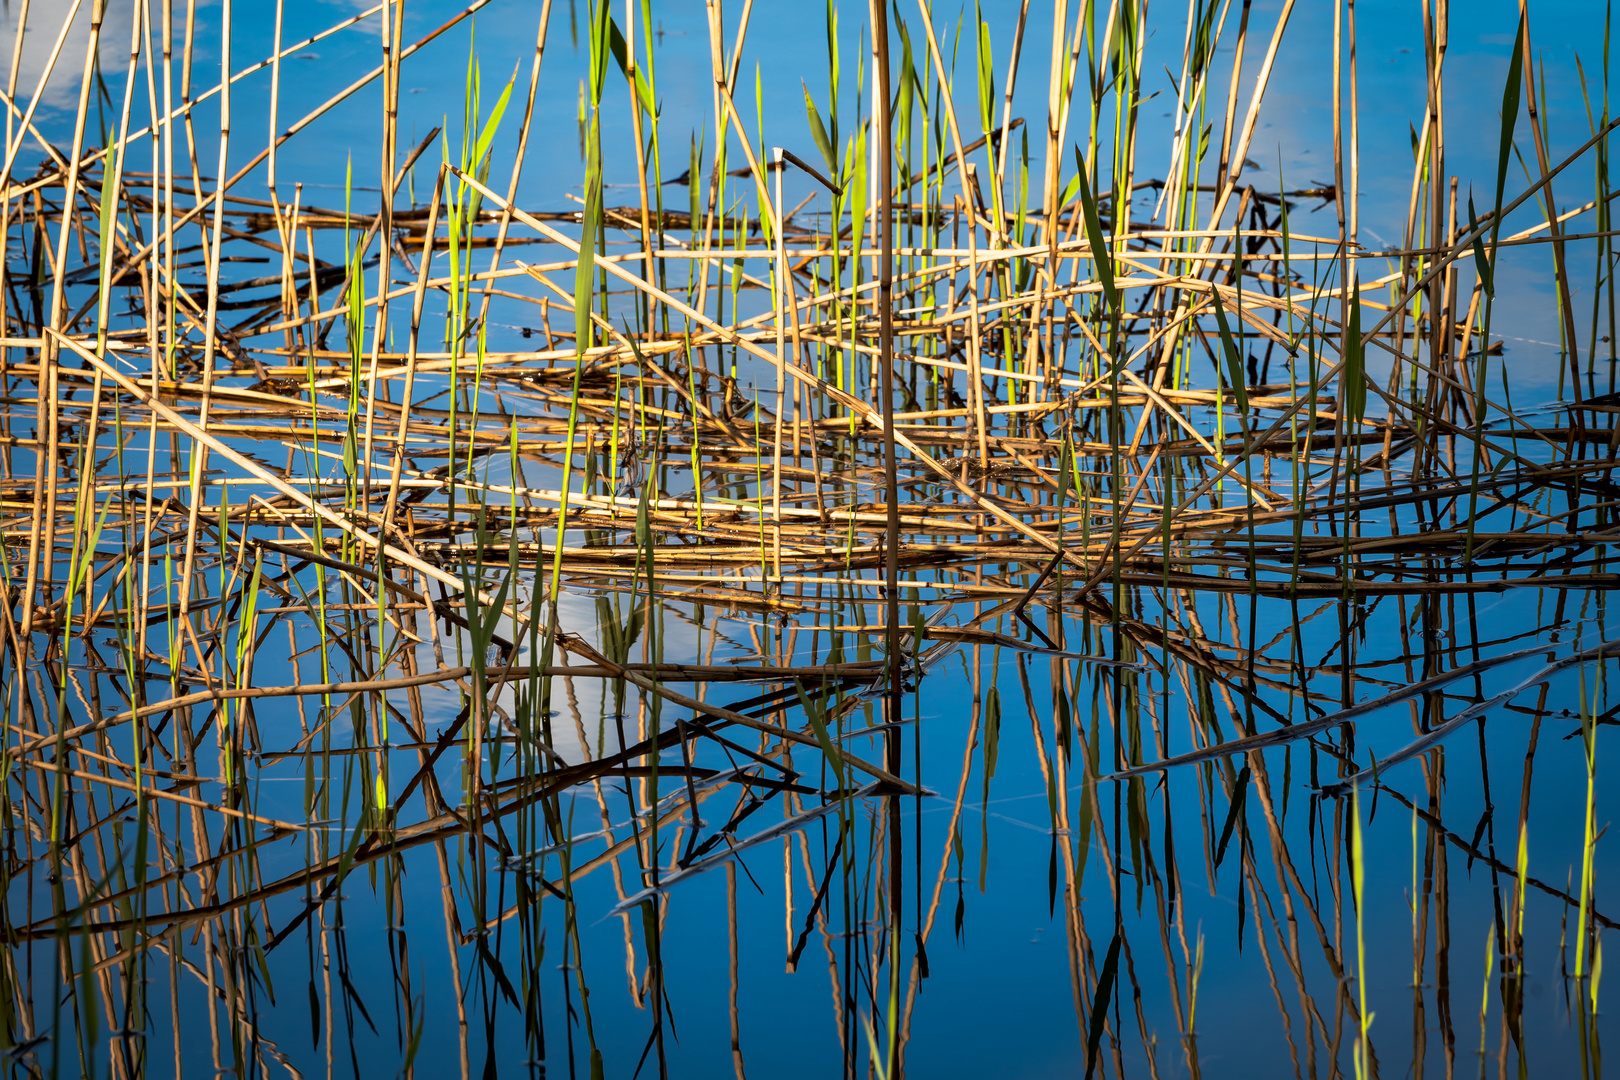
44, 27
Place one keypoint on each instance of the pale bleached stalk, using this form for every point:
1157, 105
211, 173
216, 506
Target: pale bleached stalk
41, 566
199, 461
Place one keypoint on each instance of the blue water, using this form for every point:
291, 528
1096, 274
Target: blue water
999, 999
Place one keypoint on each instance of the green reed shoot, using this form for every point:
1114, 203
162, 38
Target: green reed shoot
1358, 883
1588, 715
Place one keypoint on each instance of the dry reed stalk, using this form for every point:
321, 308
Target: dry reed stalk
855, 405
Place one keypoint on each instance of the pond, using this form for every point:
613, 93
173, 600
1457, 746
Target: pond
610, 540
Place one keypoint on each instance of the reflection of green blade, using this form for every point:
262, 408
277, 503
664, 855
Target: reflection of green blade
819, 726
1099, 1005
1234, 814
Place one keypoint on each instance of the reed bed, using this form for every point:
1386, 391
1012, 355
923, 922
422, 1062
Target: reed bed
433, 538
